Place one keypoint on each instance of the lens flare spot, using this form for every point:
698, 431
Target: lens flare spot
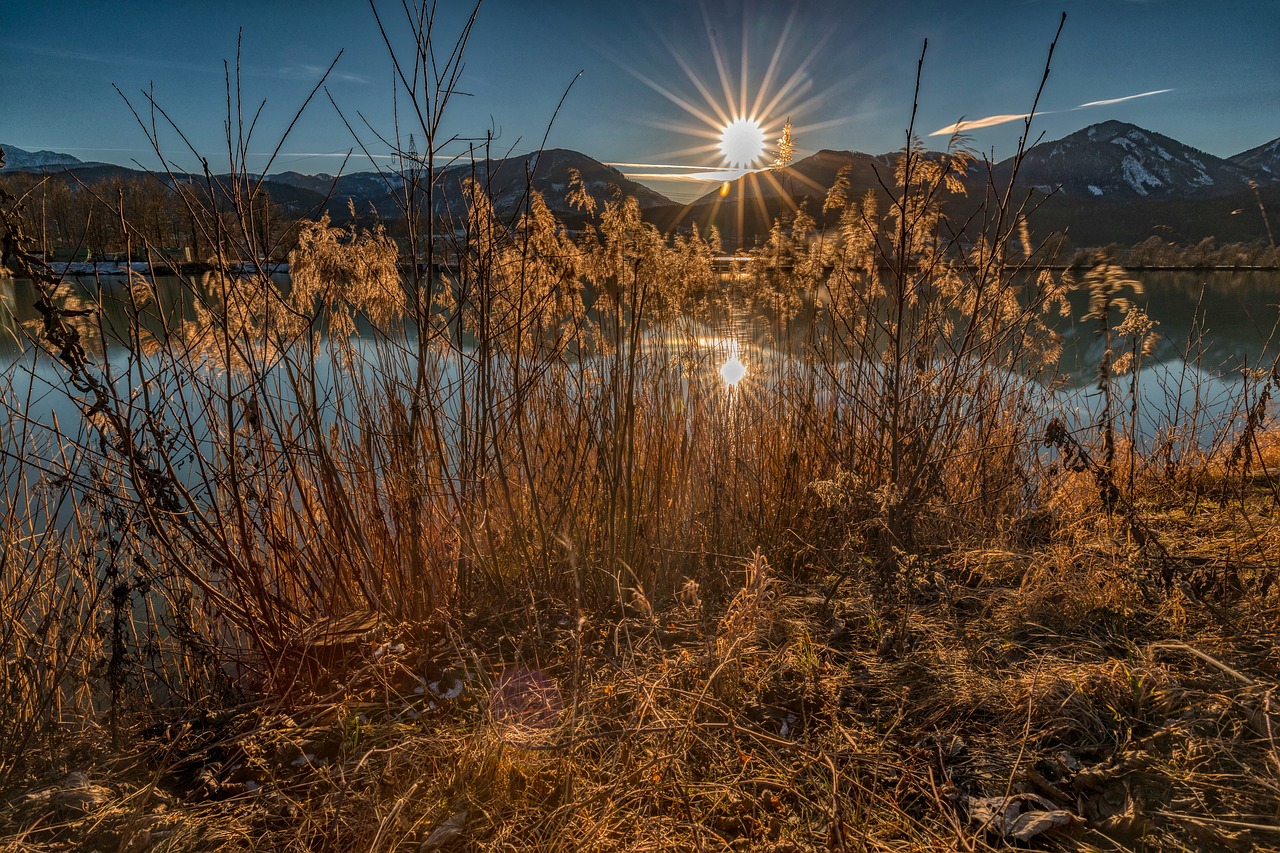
724, 190
742, 142
525, 704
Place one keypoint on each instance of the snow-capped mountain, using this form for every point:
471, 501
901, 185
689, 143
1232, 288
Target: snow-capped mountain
1265, 158
18, 160
1110, 182
1111, 161
1115, 160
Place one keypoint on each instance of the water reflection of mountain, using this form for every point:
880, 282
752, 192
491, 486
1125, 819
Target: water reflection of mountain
162, 303
1237, 312
8, 316
1222, 320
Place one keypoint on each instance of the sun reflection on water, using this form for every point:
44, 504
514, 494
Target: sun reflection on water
733, 370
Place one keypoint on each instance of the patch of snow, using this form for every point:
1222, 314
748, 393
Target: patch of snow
1165, 154
1093, 131
450, 693
1139, 136
86, 268
1137, 176
1123, 143
1095, 190
17, 159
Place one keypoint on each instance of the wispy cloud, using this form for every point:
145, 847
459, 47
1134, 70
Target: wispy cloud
303, 71
71, 148
339, 155
992, 121
702, 174
313, 72
716, 177
1125, 98
989, 121
119, 58
662, 166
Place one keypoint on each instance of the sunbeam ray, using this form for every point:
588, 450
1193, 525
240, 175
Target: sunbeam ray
774, 61
737, 128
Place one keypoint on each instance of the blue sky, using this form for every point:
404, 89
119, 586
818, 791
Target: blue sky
850, 65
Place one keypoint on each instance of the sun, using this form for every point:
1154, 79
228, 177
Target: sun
742, 142
734, 100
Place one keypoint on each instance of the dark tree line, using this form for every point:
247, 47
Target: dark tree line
116, 215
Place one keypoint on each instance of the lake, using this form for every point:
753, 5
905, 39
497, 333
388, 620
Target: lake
1237, 312
1212, 325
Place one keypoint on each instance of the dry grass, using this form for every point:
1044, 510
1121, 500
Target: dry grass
1151, 717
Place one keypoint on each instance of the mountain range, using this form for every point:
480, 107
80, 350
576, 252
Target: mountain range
1109, 182
382, 194
17, 160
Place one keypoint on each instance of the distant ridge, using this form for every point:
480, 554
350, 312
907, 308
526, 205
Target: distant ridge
1114, 159
378, 193
1264, 158
507, 181
1108, 182
19, 160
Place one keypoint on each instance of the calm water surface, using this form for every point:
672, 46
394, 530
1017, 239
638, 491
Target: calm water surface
1212, 325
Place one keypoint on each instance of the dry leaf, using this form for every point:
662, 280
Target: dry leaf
1031, 824
994, 813
1006, 816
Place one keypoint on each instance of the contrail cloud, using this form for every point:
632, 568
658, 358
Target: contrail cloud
707, 174
989, 121
715, 177
992, 121
661, 166
1125, 98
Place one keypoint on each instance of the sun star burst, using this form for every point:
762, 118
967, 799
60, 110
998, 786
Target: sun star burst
742, 142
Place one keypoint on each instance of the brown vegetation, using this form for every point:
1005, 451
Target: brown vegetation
395, 559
